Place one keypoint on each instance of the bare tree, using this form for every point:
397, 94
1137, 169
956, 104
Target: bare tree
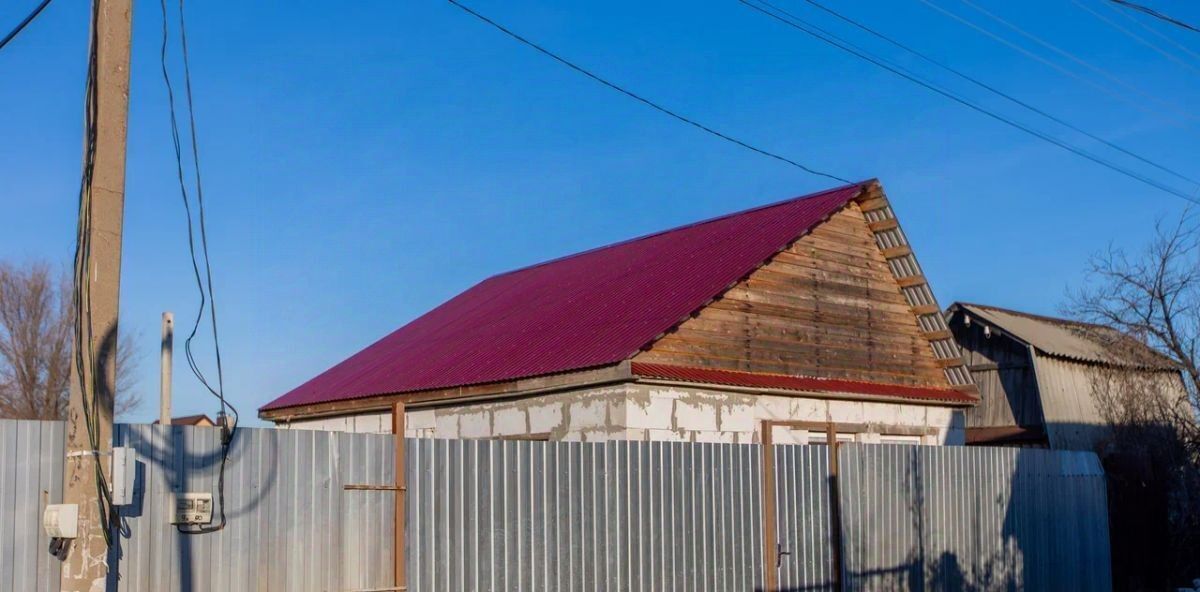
36, 325
1152, 453
1153, 297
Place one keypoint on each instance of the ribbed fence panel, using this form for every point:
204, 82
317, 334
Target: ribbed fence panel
31, 469
292, 526
635, 516
952, 518
567, 516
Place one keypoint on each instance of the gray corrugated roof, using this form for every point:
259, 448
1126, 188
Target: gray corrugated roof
1069, 339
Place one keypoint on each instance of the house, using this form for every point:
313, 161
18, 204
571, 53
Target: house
202, 421
812, 312
1043, 380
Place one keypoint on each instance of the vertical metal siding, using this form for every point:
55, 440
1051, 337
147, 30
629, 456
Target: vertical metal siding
802, 517
31, 454
550, 516
508, 515
918, 517
292, 526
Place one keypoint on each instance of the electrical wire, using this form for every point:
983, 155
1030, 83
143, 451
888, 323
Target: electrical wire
1158, 15
1139, 105
795, 22
640, 98
998, 92
204, 284
1070, 56
1153, 31
90, 383
24, 23
1135, 36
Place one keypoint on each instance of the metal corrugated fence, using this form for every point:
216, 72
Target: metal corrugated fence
952, 518
292, 526
803, 518
559, 516
31, 462
532, 516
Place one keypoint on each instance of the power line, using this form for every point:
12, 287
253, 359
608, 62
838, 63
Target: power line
204, 285
1156, 14
1042, 60
1136, 37
1129, 17
997, 91
1074, 58
830, 39
24, 23
640, 98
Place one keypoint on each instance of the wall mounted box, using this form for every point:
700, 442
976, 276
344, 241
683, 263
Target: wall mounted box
61, 521
124, 475
192, 508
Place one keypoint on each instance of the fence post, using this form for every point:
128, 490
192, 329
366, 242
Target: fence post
835, 509
401, 519
770, 551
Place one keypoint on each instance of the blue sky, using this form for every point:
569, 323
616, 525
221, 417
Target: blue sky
365, 161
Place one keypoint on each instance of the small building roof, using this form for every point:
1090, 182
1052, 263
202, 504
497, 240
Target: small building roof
191, 420
1071, 340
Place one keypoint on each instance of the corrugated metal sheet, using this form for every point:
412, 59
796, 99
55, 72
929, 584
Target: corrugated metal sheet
31, 462
798, 383
292, 527
1072, 405
803, 518
534, 516
952, 518
1068, 339
564, 516
585, 310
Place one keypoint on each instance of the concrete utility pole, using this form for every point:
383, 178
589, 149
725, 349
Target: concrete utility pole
85, 568
164, 380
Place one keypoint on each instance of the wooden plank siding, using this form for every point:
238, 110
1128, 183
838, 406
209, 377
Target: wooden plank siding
827, 306
1003, 371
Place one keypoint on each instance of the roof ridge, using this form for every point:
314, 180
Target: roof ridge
635, 239
1031, 315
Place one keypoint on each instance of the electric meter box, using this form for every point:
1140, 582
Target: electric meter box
124, 474
192, 508
61, 521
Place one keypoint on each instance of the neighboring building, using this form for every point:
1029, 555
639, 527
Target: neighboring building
810, 310
202, 421
1041, 379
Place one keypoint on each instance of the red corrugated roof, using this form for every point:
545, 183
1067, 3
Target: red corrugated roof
590, 309
799, 383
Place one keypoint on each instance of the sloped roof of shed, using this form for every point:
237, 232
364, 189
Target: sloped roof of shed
586, 310
1072, 340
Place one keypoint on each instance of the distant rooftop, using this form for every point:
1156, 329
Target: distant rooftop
191, 420
1073, 340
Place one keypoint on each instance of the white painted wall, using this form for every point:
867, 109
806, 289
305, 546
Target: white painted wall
651, 412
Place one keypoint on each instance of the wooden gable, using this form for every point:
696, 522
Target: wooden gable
831, 305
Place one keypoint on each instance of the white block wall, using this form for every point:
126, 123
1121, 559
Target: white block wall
649, 412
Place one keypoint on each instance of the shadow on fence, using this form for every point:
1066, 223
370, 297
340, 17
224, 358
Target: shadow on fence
169, 453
